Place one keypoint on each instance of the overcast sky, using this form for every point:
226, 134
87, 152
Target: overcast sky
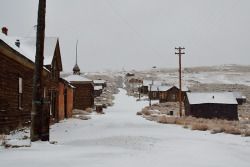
138, 34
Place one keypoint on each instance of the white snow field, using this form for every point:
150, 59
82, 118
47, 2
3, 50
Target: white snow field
120, 138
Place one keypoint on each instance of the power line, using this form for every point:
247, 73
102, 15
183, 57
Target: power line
133, 29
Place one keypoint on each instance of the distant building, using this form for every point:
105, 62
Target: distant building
100, 82
172, 94
97, 91
146, 85
212, 105
240, 99
84, 91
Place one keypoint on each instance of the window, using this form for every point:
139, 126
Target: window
154, 94
173, 97
44, 92
20, 95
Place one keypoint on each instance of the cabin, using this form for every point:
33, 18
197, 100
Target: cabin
212, 105
16, 82
84, 91
65, 99
172, 94
130, 74
156, 91
97, 91
100, 82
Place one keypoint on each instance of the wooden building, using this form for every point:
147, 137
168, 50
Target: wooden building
16, 82
65, 99
146, 86
100, 82
97, 91
156, 91
172, 94
16, 76
130, 74
84, 91
240, 99
212, 105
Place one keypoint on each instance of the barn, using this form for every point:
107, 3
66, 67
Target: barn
212, 105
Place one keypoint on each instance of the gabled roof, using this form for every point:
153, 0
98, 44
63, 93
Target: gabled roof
161, 88
148, 82
97, 87
99, 81
212, 98
77, 78
23, 50
28, 47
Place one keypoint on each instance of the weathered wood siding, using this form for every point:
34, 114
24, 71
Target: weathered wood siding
172, 95
83, 95
13, 66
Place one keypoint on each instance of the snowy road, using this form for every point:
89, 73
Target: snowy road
120, 138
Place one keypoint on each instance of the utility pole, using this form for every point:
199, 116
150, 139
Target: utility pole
139, 90
150, 94
37, 115
179, 49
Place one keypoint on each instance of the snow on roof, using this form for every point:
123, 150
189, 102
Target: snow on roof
212, 98
184, 88
97, 87
28, 47
237, 95
77, 78
148, 82
161, 88
99, 81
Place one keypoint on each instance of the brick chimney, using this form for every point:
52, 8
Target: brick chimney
5, 31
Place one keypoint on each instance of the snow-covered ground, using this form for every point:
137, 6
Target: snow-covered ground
120, 138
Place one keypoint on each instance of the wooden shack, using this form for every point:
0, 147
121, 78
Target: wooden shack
146, 85
100, 82
212, 105
157, 91
16, 82
172, 94
84, 91
97, 91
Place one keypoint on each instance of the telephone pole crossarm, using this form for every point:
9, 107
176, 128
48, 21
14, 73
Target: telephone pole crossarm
180, 91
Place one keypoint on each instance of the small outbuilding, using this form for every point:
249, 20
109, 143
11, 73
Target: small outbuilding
171, 94
212, 105
97, 91
84, 91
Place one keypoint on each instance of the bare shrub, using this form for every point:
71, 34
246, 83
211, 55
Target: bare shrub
246, 132
89, 110
146, 112
216, 130
139, 113
166, 120
82, 117
199, 126
53, 142
185, 126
